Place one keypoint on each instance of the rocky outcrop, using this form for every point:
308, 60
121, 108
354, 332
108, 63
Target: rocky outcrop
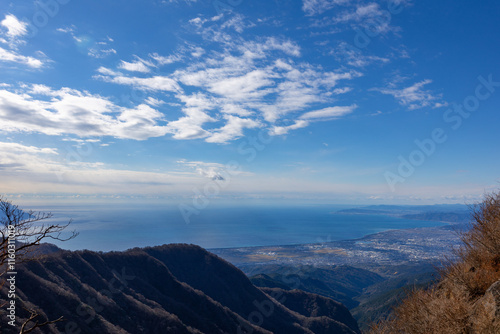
486, 311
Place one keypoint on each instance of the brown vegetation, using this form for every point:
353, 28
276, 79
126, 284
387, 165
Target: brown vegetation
466, 299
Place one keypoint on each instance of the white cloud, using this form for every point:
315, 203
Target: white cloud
367, 16
342, 90
362, 12
177, 1
331, 112
241, 81
30, 169
237, 22
440, 104
107, 71
99, 48
66, 30
200, 21
235, 109
212, 170
241, 87
232, 130
197, 21
247, 84
362, 61
415, 96
316, 115
100, 52
154, 102
15, 27
190, 126
11, 56
20, 148
162, 60
282, 130
259, 49
156, 83
14, 30
197, 52
68, 111
314, 7
137, 66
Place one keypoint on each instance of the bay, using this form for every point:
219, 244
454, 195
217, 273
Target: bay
120, 227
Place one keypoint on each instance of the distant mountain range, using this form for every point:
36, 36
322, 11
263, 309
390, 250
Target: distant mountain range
453, 213
412, 208
167, 289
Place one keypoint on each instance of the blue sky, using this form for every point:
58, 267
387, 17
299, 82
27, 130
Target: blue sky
338, 101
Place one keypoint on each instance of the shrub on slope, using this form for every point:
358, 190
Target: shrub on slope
467, 298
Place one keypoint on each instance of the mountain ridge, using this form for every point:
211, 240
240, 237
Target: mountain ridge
175, 288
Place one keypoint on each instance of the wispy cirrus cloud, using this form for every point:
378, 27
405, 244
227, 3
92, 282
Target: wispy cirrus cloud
355, 57
14, 57
368, 16
305, 119
139, 65
154, 83
314, 7
283, 130
329, 113
238, 23
165, 60
96, 48
415, 96
361, 12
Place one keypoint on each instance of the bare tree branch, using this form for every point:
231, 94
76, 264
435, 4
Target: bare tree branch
20, 234
30, 231
33, 315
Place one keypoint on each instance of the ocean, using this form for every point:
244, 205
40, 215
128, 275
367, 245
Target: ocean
120, 227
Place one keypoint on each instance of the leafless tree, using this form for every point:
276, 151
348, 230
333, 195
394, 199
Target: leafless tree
26, 230
26, 327
20, 233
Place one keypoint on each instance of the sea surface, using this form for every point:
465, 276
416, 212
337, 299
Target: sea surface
120, 227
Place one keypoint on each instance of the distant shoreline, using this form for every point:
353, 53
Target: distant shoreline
367, 236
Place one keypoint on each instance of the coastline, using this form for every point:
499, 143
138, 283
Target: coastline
388, 247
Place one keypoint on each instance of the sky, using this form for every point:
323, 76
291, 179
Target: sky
331, 101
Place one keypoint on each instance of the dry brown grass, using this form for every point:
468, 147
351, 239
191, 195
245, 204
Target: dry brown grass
457, 304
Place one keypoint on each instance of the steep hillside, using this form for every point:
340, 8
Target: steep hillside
342, 283
167, 289
466, 299
378, 300
313, 305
